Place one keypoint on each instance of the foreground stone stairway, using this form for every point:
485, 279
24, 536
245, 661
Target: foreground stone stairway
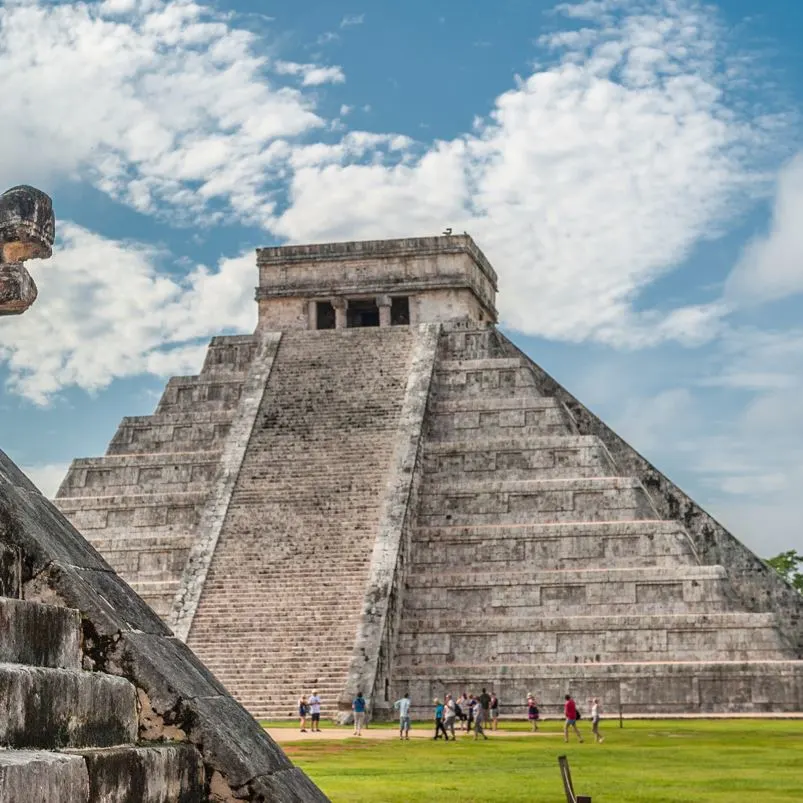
303, 518
70, 735
141, 503
99, 701
537, 566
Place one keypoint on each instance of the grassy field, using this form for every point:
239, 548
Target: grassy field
666, 761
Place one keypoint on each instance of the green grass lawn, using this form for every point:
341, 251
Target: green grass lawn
662, 761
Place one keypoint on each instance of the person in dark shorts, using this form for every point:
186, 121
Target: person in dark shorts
315, 709
570, 712
494, 712
485, 705
303, 710
533, 714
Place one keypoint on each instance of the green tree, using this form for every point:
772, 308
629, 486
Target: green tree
789, 565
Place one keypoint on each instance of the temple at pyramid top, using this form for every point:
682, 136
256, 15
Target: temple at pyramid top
377, 491
375, 283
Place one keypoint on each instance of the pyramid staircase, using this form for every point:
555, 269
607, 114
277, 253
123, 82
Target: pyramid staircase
537, 566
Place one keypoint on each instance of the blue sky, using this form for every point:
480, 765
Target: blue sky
632, 169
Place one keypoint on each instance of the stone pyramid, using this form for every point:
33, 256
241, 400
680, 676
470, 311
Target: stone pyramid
376, 490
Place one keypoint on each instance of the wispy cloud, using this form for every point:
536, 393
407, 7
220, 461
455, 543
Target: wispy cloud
350, 20
311, 74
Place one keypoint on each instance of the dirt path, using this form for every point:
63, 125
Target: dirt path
283, 735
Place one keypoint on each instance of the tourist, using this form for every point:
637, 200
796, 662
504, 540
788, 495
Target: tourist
494, 712
404, 716
470, 705
449, 716
479, 719
439, 720
485, 705
532, 712
315, 709
596, 713
570, 712
461, 707
358, 707
303, 710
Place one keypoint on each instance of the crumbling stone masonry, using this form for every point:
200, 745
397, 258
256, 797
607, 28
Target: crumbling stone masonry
377, 490
100, 702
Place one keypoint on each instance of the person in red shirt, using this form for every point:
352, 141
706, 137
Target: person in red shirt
570, 712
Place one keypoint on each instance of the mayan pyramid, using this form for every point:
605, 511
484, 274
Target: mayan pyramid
378, 490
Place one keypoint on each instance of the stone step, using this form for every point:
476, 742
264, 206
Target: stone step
530, 417
581, 639
609, 592
121, 474
638, 686
39, 635
534, 501
165, 773
56, 708
43, 777
553, 545
220, 391
504, 459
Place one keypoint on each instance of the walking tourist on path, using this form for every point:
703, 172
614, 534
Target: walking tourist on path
449, 715
404, 716
533, 714
358, 707
494, 712
439, 721
570, 712
596, 713
303, 710
479, 719
461, 706
471, 705
315, 708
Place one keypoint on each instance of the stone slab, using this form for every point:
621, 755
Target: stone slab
32, 776
39, 635
158, 774
54, 708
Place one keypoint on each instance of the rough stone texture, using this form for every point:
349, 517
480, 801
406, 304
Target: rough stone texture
39, 634
293, 558
65, 708
39, 777
165, 474
144, 680
27, 229
158, 774
444, 278
540, 565
376, 635
209, 528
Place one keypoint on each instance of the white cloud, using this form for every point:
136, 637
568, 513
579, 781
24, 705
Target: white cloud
311, 74
771, 266
160, 104
47, 477
350, 20
107, 309
589, 180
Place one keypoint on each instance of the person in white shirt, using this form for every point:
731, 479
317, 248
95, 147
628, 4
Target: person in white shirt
403, 706
315, 710
596, 713
449, 715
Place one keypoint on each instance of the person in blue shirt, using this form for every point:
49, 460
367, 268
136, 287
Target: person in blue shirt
439, 728
404, 716
358, 707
